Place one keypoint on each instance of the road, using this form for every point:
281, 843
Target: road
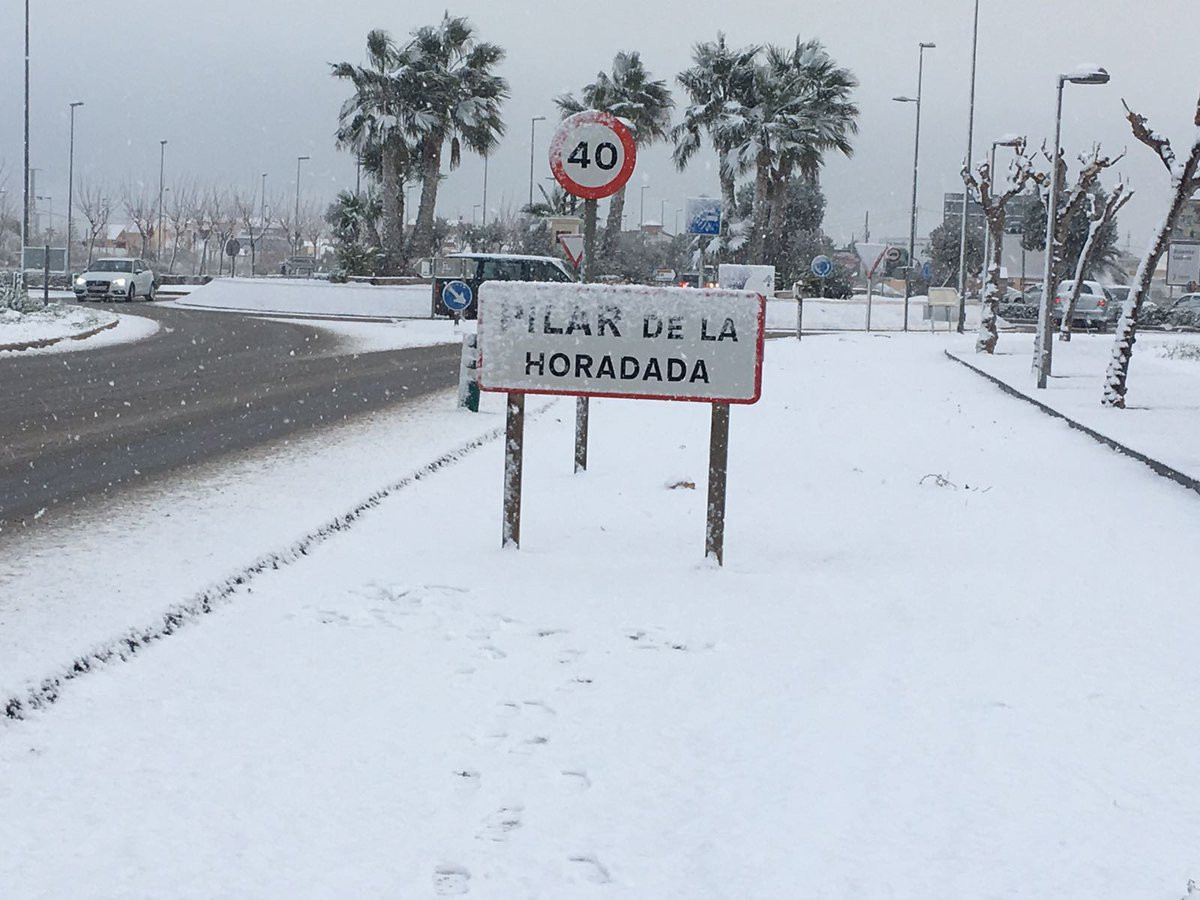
80, 426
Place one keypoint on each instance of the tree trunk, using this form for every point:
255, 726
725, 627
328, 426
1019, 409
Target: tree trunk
431, 164
777, 210
762, 187
392, 238
612, 226
728, 200
989, 335
1085, 260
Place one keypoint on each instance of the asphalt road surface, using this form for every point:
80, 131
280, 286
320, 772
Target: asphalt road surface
79, 426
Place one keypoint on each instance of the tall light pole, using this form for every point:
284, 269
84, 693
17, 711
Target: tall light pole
485, 168
162, 158
25, 170
262, 217
49, 214
962, 238
1009, 140
473, 208
912, 227
642, 212
296, 221
1044, 347
532, 128
71, 184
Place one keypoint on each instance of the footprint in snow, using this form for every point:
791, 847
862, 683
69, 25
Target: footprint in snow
498, 824
450, 879
577, 780
593, 870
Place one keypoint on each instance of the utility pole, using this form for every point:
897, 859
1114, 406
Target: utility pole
867, 227
162, 158
962, 238
25, 171
71, 185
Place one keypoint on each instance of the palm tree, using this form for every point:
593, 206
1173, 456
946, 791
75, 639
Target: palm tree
449, 82
799, 109
378, 124
718, 86
629, 94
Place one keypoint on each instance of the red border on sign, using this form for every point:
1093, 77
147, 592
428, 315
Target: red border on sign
758, 367
623, 174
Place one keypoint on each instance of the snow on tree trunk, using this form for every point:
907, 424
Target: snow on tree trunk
1100, 219
612, 226
1184, 183
762, 183
393, 213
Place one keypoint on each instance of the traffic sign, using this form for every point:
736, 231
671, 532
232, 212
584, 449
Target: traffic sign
822, 266
926, 270
233, 247
893, 254
457, 295
572, 245
703, 216
592, 154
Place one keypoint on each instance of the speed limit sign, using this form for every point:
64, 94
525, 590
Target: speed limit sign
592, 154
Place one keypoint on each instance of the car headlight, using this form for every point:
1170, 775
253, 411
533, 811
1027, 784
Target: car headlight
80, 281
118, 282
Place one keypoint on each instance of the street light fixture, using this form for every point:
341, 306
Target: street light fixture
1009, 140
912, 228
296, 222
1044, 347
532, 128
162, 156
71, 184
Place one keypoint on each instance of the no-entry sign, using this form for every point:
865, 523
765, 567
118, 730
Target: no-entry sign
639, 342
592, 154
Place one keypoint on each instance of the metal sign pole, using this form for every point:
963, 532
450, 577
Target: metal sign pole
582, 411
718, 457
46, 275
514, 452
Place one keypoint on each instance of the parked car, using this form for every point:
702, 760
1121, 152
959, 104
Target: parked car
1091, 311
1117, 294
1184, 312
473, 269
116, 279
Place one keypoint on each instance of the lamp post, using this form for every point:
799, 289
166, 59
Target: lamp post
1009, 140
912, 226
642, 209
1044, 347
49, 214
532, 128
296, 221
162, 157
25, 170
962, 238
473, 208
485, 168
71, 183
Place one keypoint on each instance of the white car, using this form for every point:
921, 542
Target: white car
116, 279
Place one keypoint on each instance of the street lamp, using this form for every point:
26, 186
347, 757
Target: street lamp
162, 156
642, 212
1009, 140
296, 223
532, 128
1044, 347
912, 228
71, 183
49, 215
962, 237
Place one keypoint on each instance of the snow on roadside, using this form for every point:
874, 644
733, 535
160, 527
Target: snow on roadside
887, 314
372, 337
879, 696
54, 322
311, 297
129, 328
1163, 415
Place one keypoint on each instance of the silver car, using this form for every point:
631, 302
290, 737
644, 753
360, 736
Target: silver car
120, 278
1092, 309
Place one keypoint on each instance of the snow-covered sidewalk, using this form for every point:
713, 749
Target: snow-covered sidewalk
883, 693
53, 327
311, 297
1162, 419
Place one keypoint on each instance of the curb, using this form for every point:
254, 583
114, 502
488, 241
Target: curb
48, 342
318, 317
46, 691
1159, 468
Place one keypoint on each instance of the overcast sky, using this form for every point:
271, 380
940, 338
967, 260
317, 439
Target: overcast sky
241, 88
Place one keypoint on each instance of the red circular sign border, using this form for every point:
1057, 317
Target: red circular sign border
623, 175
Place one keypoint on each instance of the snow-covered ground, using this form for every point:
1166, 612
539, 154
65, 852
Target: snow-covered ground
1162, 418
312, 298
882, 694
53, 322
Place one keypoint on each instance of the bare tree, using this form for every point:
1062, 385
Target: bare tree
253, 224
1185, 181
285, 218
180, 212
142, 211
1070, 203
983, 189
312, 225
225, 223
204, 217
96, 209
1101, 217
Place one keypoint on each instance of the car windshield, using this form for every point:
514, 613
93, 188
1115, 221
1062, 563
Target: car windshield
111, 265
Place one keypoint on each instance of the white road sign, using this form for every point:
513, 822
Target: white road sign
1183, 263
592, 154
662, 343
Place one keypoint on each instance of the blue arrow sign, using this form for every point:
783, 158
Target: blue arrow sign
926, 270
822, 266
703, 216
457, 295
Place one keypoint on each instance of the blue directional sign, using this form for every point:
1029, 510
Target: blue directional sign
926, 270
703, 216
822, 266
457, 295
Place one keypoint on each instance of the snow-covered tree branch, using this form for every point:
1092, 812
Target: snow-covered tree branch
1102, 217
